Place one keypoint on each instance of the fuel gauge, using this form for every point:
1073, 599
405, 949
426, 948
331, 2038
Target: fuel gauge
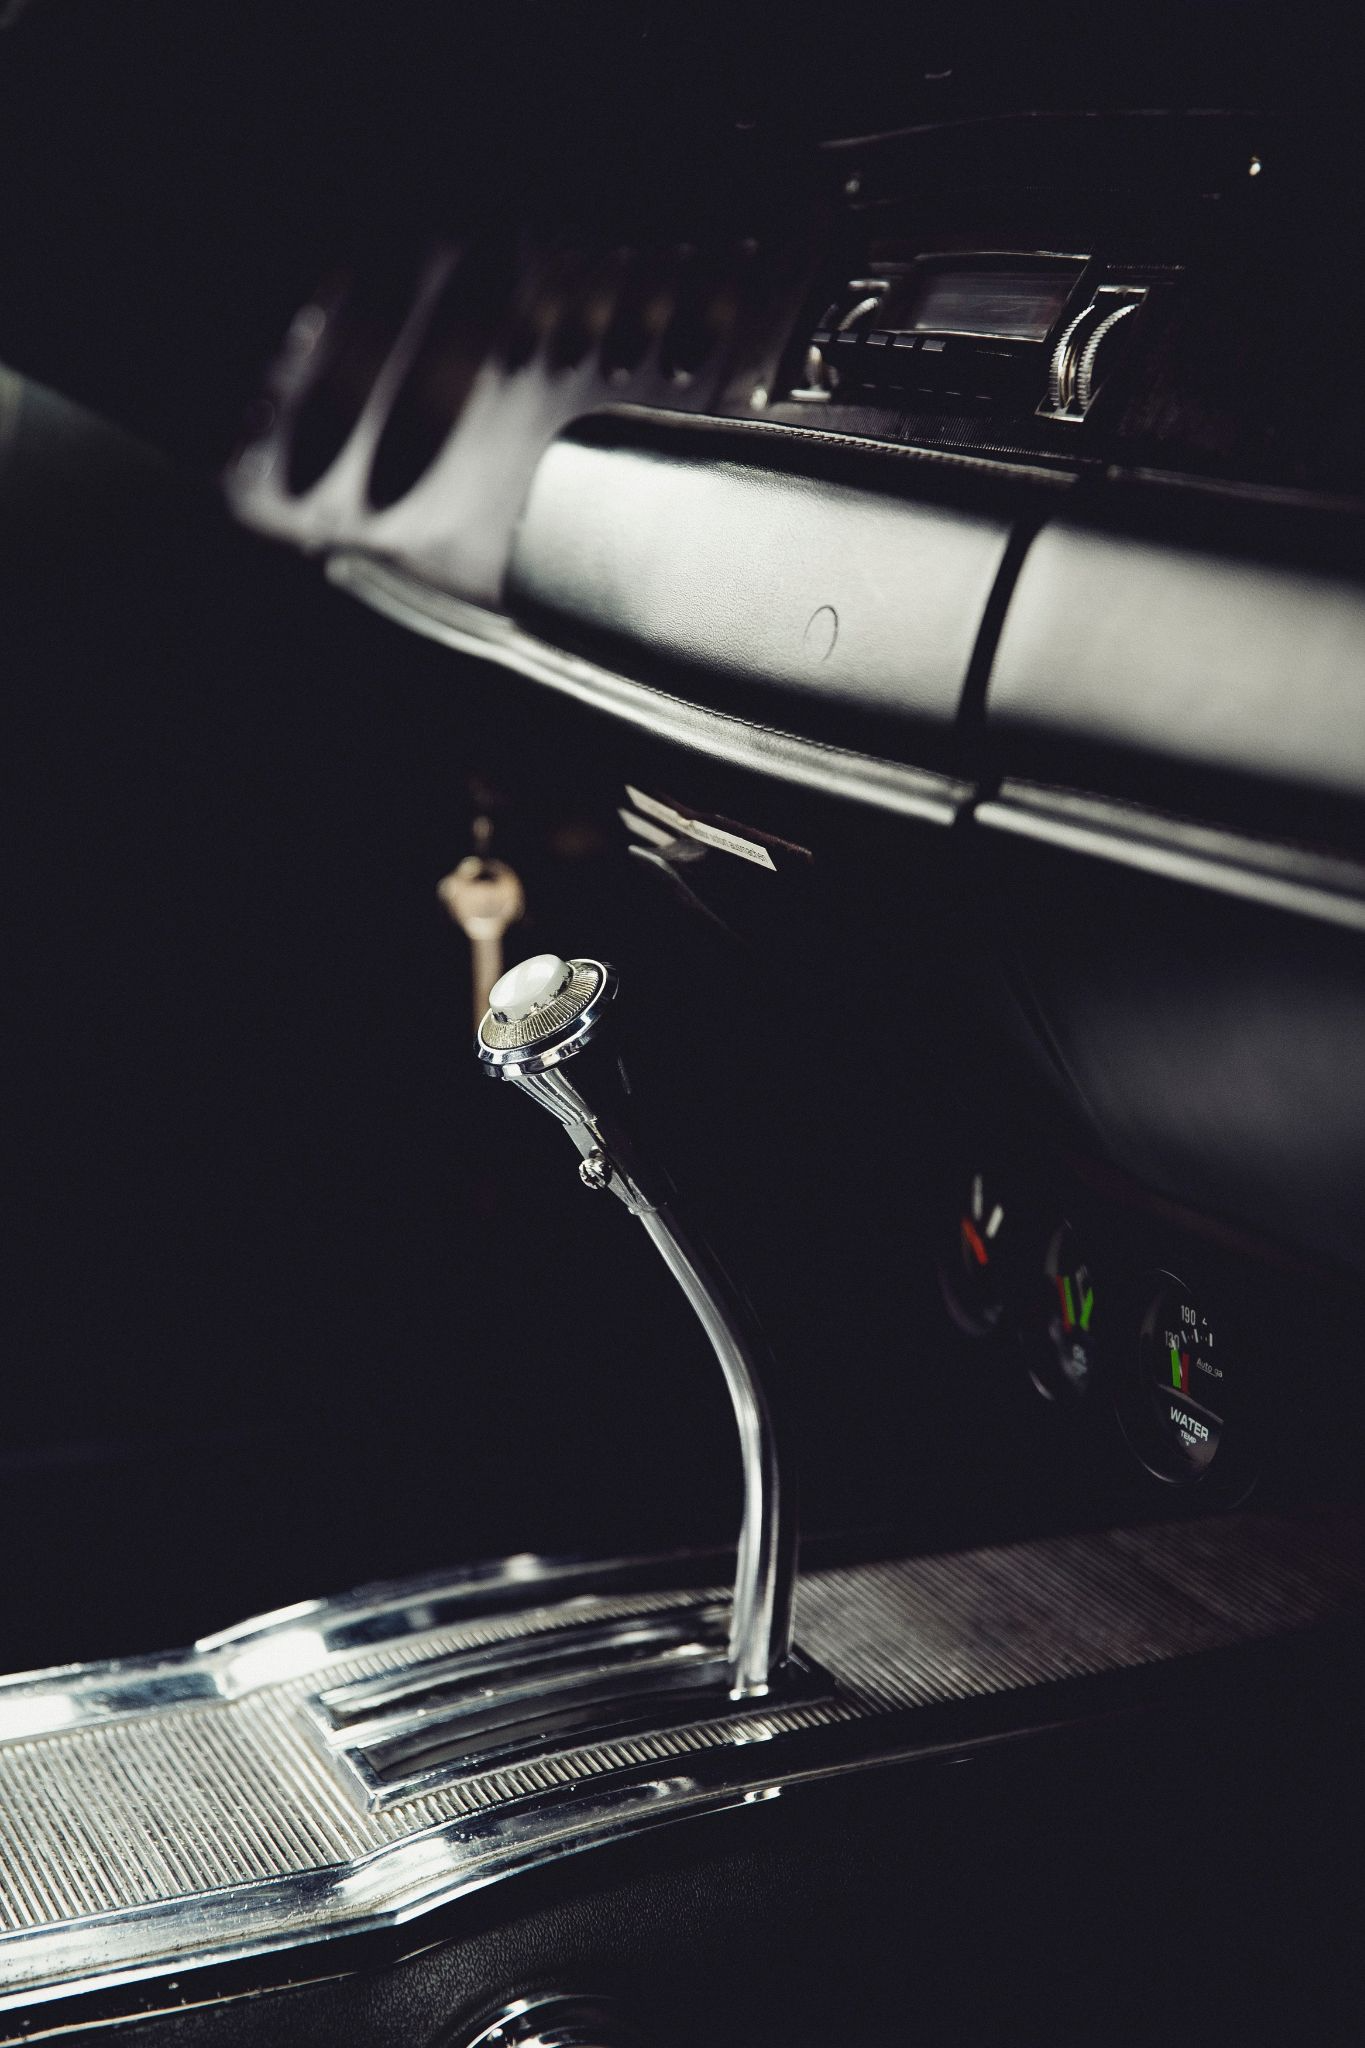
975, 1267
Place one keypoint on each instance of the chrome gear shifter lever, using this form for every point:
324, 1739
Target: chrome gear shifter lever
541, 1015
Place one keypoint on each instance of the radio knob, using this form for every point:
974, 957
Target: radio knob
861, 311
1090, 369
836, 345
819, 376
1061, 380
1084, 353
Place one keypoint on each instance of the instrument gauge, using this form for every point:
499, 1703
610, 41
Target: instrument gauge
1178, 1416
976, 1268
1061, 1353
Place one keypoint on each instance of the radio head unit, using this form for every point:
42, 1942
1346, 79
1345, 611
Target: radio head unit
982, 298
1031, 330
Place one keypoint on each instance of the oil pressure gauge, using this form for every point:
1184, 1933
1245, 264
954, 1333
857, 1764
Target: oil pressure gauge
1060, 1344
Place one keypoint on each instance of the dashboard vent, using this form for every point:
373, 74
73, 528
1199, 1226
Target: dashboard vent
349, 330
704, 313
458, 339
642, 312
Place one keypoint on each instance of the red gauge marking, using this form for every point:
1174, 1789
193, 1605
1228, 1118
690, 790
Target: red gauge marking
973, 1237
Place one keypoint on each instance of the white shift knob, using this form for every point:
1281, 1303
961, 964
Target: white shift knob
527, 986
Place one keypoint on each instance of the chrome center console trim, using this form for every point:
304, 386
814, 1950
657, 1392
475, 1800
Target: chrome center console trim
163, 1814
586, 1681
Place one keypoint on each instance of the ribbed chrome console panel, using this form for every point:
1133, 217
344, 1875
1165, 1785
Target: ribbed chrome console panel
159, 1814
590, 1688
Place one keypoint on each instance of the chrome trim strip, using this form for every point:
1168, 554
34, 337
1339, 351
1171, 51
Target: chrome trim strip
907, 792
314, 1635
686, 1634
455, 1718
1265, 871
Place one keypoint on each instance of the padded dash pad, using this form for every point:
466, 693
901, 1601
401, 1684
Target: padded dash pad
695, 560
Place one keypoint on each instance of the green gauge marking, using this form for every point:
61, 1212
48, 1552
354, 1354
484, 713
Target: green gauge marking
1060, 1345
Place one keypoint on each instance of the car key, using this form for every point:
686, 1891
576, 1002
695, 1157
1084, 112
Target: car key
484, 897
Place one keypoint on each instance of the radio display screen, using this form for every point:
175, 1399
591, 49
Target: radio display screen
997, 304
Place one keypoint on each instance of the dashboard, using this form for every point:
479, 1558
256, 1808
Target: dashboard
932, 522
851, 541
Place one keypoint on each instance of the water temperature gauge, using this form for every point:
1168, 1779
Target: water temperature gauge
1183, 1376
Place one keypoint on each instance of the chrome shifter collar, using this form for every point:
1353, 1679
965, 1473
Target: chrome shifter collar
554, 1032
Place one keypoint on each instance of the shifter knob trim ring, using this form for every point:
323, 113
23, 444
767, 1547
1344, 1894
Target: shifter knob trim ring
554, 1031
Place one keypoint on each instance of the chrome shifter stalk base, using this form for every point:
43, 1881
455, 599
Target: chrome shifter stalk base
765, 1570
575, 998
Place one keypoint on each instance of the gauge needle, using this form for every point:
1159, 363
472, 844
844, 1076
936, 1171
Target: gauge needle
973, 1237
1180, 1369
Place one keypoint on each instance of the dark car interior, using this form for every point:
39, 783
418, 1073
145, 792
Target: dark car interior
792, 588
